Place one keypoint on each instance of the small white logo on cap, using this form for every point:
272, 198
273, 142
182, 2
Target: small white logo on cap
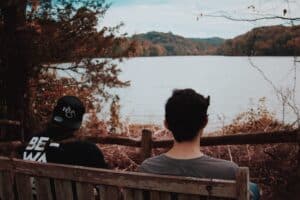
69, 113
58, 119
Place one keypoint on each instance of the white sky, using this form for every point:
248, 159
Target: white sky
180, 16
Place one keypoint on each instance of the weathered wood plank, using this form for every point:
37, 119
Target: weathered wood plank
84, 191
128, 194
1, 185
138, 195
242, 181
165, 195
137, 181
108, 192
7, 184
154, 195
63, 189
43, 189
133, 194
24, 188
187, 197
113, 192
125, 179
102, 192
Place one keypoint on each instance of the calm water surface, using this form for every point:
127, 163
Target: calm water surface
233, 84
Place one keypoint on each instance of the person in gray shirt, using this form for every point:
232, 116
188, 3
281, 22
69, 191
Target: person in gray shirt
186, 117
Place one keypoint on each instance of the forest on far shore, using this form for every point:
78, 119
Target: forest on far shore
263, 41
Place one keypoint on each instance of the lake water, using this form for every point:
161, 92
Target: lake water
232, 83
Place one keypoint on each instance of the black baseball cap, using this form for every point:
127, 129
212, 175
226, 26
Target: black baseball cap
68, 112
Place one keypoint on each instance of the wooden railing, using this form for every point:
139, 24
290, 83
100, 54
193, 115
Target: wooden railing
237, 139
146, 143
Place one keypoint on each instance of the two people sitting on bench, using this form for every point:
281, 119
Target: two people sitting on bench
48, 146
186, 117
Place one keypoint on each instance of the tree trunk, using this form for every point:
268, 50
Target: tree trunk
14, 65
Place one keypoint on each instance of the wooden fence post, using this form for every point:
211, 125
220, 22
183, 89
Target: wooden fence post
146, 145
242, 180
7, 187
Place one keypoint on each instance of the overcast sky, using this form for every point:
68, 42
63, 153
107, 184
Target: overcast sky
180, 16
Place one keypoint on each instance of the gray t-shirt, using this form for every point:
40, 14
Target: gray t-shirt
202, 167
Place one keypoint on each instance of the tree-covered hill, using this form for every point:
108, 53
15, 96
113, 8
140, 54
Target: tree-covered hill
165, 44
264, 41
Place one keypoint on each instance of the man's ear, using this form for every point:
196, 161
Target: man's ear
205, 121
166, 124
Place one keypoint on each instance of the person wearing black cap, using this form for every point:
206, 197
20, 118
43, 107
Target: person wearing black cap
49, 147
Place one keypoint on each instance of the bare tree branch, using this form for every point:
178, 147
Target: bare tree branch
63, 68
264, 76
252, 19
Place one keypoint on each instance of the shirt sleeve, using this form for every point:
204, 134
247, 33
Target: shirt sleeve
141, 168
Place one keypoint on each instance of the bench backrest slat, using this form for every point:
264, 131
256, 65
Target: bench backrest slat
109, 192
63, 189
187, 197
43, 188
132, 194
6, 181
242, 180
23, 187
155, 195
84, 191
109, 182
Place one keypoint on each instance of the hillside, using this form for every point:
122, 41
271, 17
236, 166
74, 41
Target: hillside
264, 41
166, 44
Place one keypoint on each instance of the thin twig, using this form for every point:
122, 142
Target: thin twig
252, 19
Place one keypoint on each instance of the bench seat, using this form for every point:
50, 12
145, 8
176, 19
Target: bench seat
83, 183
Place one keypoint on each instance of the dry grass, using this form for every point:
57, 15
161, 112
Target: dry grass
272, 166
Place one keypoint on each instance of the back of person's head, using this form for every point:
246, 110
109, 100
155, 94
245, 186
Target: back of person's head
186, 114
68, 113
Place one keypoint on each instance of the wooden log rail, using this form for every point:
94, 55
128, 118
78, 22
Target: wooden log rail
6, 122
237, 139
146, 143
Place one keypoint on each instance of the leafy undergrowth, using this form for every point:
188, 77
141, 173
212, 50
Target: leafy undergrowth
272, 166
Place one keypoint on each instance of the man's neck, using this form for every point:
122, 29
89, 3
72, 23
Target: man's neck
58, 134
185, 150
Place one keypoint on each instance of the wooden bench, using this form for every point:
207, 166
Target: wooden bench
82, 183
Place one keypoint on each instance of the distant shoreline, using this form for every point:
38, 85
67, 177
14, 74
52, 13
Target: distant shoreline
262, 41
212, 55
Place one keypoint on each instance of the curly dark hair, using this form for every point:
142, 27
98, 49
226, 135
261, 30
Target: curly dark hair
186, 114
